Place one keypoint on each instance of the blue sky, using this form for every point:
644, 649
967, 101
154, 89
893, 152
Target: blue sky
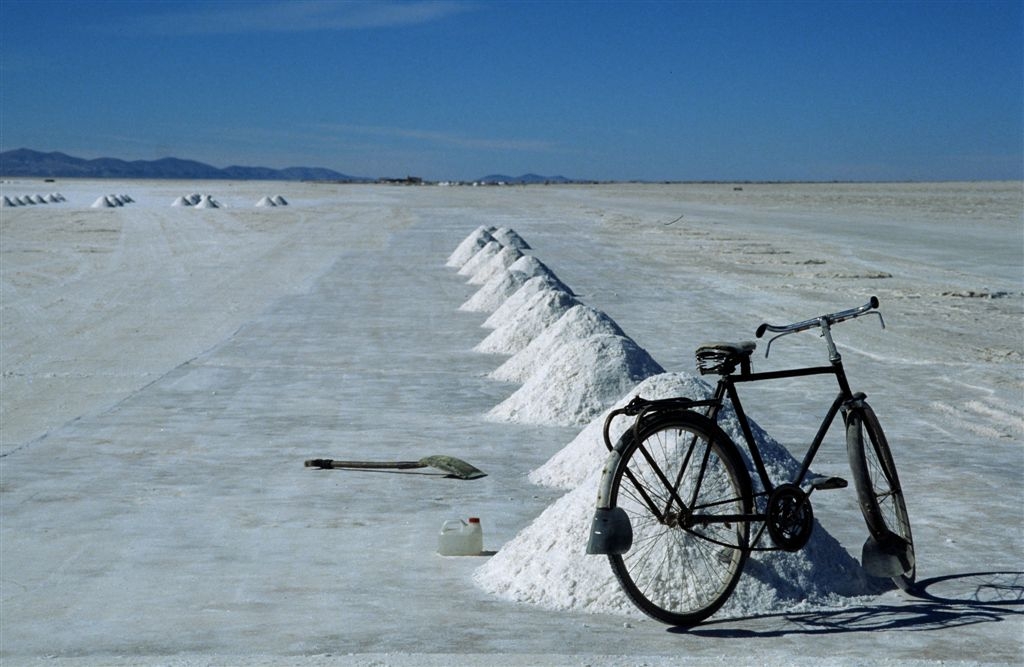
459, 90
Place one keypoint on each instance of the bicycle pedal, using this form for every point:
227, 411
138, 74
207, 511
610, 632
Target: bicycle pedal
823, 483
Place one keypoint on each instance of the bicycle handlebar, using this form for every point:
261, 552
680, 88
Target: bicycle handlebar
829, 319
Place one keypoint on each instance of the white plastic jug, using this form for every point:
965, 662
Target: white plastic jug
458, 538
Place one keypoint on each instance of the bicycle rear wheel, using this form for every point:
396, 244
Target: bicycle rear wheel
878, 487
678, 476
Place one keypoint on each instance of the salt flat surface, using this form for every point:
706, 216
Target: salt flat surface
166, 370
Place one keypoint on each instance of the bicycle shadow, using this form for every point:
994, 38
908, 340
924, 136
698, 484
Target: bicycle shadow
950, 601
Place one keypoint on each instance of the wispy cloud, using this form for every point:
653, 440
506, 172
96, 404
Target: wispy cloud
450, 139
308, 16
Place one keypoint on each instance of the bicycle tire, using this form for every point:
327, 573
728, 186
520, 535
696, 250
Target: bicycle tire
878, 485
675, 574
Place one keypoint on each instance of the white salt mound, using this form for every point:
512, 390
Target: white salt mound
541, 310
494, 292
578, 382
497, 265
207, 202
182, 201
576, 324
509, 311
103, 202
7, 201
508, 237
39, 199
470, 246
500, 287
280, 201
266, 201
477, 261
546, 564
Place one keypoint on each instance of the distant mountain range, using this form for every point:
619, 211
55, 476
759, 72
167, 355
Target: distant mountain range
26, 162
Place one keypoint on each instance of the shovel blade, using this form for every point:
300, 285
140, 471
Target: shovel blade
453, 466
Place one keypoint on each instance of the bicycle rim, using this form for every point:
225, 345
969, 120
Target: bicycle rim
680, 572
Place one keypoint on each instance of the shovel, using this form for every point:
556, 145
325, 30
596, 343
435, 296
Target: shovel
449, 464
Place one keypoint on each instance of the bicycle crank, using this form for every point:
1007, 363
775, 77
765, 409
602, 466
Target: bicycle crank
790, 518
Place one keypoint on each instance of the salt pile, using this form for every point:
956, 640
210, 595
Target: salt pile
32, 200
510, 310
545, 563
470, 247
537, 313
196, 200
268, 201
575, 364
482, 257
112, 201
578, 382
207, 202
508, 237
500, 287
579, 322
496, 265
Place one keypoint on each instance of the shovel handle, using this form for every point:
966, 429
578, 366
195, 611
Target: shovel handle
394, 465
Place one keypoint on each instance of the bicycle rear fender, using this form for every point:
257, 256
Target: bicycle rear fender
611, 533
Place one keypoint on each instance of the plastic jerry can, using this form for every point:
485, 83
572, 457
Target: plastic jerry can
459, 538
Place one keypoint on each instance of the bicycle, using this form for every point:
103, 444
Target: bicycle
677, 513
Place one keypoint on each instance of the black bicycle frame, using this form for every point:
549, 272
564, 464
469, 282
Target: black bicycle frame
727, 388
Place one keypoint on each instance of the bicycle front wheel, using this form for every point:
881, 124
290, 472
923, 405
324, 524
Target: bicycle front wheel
684, 487
878, 485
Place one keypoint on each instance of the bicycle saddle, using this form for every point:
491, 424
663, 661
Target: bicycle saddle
721, 358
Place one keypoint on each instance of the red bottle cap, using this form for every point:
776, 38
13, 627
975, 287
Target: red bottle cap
474, 519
